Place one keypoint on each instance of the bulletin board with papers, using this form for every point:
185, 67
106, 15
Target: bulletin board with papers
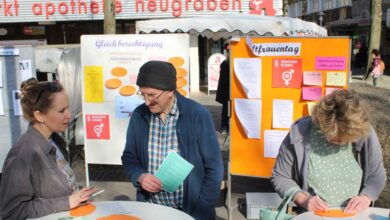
275, 81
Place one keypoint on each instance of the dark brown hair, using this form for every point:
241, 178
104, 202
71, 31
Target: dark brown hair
341, 115
375, 52
37, 96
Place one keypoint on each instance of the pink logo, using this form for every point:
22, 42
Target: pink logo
262, 7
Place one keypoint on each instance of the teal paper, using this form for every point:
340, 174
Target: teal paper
173, 171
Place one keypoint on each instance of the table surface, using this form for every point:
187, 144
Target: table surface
142, 210
368, 214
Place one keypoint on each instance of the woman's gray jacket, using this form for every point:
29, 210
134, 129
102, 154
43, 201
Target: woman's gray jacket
32, 185
291, 165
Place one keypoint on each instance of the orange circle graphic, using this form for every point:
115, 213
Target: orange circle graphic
182, 92
127, 90
119, 71
334, 213
180, 82
181, 72
176, 61
83, 210
113, 83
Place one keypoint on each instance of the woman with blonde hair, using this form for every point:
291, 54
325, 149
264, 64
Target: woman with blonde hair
37, 179
334, 157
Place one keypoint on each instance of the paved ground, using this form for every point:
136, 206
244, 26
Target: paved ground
118, 187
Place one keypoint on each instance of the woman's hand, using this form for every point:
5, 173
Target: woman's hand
150, 183
81, 196
310, 203
357, 204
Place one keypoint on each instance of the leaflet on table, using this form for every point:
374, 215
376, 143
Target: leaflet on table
249, 114
173, 171
272, 141
248, 72
282, 113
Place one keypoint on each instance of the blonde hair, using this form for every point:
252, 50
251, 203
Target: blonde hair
341, 115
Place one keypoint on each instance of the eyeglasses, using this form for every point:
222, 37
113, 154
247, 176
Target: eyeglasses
149, 98
47, 86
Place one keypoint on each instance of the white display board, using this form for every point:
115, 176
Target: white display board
110, 65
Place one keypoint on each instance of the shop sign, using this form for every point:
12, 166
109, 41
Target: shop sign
56, 10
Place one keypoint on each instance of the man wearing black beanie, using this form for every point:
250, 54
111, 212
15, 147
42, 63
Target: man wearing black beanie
166, 122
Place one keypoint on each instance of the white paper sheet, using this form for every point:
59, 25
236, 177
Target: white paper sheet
16, 102
1, 102
282, 113
25, 69
1, 74
249, 114
248, 72
272, 141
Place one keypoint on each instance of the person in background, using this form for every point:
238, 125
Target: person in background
334, 156
168, 121
223, 91
377, 66
37, 179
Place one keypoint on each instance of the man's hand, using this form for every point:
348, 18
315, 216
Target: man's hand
310, 203
357, 204
150, 183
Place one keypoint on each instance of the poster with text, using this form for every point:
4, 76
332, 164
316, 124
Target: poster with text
98, 126
110, 65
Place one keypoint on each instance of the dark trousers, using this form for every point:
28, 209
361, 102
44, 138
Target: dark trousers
224, 117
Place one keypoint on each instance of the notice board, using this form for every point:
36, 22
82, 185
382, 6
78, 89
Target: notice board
275, 81
110, 65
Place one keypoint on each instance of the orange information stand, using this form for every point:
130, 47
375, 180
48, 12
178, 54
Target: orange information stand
298, 71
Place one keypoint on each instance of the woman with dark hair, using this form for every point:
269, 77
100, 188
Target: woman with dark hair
334, 157
37, 178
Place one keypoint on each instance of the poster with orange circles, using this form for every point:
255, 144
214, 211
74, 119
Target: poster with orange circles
110, 65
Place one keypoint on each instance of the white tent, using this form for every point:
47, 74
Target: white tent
225, 26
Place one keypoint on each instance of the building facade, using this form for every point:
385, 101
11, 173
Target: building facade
345, 18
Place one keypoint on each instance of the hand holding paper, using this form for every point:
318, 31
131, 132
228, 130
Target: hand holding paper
173, 171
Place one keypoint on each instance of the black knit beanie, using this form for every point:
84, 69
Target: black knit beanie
157, 75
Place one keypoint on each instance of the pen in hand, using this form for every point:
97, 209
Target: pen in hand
97, 193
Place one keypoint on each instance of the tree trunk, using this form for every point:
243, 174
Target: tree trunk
376, 29
285, 8
109, 17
